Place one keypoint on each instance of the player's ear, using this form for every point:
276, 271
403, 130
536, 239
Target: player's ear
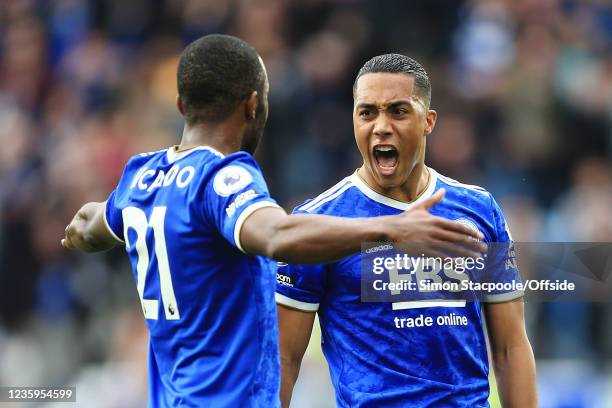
430, 120
251, 106
179, 105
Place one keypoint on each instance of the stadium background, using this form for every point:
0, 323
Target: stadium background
523, 89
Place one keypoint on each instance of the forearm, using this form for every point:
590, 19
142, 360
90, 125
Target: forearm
313, 239
316, 238
515, 376
294, 329
289, 374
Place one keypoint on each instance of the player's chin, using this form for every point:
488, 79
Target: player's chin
387, 176
387, 180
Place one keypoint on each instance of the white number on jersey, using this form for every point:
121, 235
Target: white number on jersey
136, 218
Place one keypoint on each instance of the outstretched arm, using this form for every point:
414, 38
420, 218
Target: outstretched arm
512, 355
313, 239
87, 231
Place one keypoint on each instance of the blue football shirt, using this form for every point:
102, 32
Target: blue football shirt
418, 353
209, 307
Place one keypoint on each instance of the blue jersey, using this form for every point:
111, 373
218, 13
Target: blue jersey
209, 306
423, 353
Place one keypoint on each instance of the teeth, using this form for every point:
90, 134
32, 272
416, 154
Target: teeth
384, 148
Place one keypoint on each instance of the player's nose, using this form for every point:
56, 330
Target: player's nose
382, 126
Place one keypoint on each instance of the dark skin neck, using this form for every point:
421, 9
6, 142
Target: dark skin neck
224, 136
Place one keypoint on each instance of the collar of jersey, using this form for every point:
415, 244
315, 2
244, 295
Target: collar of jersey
173, 155
391, 202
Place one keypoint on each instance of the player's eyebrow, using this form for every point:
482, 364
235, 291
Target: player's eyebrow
366, 105
397, 102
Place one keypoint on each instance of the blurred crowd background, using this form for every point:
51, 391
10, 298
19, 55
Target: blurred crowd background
523, 90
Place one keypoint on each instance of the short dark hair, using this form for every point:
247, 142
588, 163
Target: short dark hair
399, 64
215, 73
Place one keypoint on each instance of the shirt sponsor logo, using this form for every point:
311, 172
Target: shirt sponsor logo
283, 279
231, 179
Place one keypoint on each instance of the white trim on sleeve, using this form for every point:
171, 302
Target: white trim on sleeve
243, 217
295, 304
503, 297
108, 227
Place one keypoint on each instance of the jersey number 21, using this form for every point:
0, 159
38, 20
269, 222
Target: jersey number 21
136, 218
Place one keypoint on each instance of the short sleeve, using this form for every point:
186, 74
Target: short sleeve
300, 286
113, 218
501, 261
236, 190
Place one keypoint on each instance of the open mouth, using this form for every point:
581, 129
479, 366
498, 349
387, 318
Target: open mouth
386, 157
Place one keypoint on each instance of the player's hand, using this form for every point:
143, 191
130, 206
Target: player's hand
73, 234
417, 232
67, 243
70, 233
87, 231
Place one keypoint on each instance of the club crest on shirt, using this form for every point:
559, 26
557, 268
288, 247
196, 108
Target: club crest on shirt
231, 179
468, 223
